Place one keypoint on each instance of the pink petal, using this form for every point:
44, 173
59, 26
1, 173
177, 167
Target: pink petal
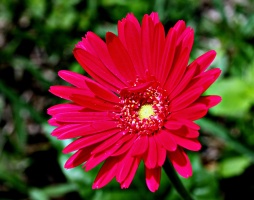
209, 101
161, 155
107, 143
130, 18
120, 29
181, 57
124, 167
150, 158
203, 61
158, 48
185, 99
186, 38
178, 71
189, 74
85, 45
147, 27
189, 124
97, 70
93, 103
155, 17
179, 27
127, 181
90, 140
187, 143
84, 130
139, 88
140, 145
102, 92
53, 122
205, 79
66, 92
193, 112
79, 157
153, 177
68, 128
125, 144
106, 173
185, 132
97, 158
120, 57
133, 44
184, 43
164, 138
73, 78
190, 133
65, 107
173, 124
80, 117
102, 52
181, 162
168, 56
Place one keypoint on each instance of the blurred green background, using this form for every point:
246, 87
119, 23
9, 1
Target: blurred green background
36, 41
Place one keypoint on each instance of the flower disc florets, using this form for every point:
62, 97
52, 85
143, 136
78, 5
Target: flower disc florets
144, 109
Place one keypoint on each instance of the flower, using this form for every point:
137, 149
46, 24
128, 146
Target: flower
140, 103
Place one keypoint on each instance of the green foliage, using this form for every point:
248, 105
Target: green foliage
233, 166
236, 92
237, 97
51, 192
36, 41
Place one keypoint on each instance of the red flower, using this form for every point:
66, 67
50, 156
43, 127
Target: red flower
140, 105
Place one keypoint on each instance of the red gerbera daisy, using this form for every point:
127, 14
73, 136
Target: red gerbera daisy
140, 105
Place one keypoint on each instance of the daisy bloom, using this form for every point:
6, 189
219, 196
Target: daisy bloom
140, 103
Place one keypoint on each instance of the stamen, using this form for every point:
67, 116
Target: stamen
143, 111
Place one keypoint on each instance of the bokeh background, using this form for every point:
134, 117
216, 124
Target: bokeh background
36, 41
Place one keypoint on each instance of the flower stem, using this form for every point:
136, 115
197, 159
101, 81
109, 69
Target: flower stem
171, 173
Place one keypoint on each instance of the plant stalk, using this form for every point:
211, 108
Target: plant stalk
172, 175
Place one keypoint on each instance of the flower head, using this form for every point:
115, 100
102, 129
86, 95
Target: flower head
140, 103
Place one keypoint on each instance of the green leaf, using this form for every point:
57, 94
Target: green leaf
233, 166
36, 8
237, 97
51, 191
116, 195
113, 2
11, 171
37, 194
20, 129
12, 96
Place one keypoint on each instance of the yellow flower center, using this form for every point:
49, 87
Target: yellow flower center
145, 111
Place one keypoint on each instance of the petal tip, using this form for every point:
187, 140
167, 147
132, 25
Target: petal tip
110, 37
95, 186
